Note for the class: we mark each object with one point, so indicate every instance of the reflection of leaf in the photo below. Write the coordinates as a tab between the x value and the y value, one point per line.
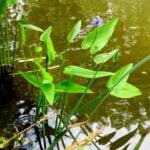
125	148
106	138
123	140
143	135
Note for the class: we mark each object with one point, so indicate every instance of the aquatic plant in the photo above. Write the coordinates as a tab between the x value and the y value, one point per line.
54	91
7	58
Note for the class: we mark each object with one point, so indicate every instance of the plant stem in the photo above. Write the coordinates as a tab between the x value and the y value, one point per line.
62	110
7	38
14	49
3	43
107	93
43	123
61	63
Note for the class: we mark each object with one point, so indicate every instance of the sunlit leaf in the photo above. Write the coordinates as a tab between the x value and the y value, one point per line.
3	142
45	74
11	2
38	49
99	37
45	37
128	91
25	24
87	73
31	78
48	90
71	87
46	34
102	58
73	33
116	80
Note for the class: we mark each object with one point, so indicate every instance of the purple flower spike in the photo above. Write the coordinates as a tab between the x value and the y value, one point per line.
97	22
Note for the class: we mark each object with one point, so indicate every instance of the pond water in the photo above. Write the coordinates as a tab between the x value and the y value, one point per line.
131	37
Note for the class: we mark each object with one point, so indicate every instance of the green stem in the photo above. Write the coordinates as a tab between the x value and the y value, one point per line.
61	63
43	115
14	49
38	104
3	43
7	39
62	111
57	118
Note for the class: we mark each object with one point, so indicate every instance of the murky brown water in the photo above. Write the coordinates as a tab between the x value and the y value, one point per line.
132	37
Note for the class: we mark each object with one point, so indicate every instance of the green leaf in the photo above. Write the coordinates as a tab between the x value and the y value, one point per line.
45	74
73	33
82	72
31	78
3	4
114	81
102	58
25	24
38	49
48	90
128	91
11	2
116	58
99	37
71	87
6	3
45	37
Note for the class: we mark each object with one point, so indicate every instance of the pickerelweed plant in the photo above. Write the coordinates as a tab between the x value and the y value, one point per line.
54	91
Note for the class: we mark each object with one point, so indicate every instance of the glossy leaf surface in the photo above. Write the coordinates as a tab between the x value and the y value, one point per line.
87	73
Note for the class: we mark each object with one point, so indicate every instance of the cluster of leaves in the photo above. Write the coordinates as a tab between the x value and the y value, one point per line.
94	41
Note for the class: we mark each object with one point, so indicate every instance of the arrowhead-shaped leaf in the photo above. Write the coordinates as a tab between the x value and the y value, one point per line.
45	37
102	58
31	78
45	74
128	91
86	73
48	90
117	81
73	33
71	87
99	37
